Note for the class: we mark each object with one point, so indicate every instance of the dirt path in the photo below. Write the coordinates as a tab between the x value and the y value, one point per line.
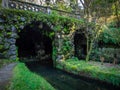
5	75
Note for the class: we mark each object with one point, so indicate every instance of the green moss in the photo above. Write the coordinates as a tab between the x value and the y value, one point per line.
1	47
20	17
23	79
8	34
74	67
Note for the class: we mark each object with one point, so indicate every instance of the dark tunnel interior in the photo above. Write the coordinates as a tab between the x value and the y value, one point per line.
31	40
80	45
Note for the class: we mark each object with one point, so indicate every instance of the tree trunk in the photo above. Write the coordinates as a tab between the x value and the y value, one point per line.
87	45
117	15
89	51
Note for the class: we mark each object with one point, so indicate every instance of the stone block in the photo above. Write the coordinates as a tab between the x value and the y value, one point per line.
10	53
21	26
12	47
2	20
14	35
22	19
1	27
13	29
11	41
13	57
6	45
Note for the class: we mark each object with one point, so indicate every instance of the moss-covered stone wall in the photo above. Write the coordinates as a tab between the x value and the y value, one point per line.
12	21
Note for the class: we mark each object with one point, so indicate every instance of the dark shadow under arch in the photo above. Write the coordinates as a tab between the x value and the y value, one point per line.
80	44
32	39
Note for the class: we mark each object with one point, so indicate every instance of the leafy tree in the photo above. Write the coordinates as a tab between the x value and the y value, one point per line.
93	11
111	34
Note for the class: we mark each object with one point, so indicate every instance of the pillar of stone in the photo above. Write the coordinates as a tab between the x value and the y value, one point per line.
11	50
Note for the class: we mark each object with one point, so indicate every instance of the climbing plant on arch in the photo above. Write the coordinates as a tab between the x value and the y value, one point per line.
12	21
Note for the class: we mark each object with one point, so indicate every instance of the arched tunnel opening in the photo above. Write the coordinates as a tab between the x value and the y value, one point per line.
80	45
33	45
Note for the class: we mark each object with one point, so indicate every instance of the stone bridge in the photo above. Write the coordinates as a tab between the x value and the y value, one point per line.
32	34
17	4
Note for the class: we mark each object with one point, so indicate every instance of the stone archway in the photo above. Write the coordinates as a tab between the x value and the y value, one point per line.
34	42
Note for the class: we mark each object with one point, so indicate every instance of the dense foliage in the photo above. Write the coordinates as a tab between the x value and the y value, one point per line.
111	33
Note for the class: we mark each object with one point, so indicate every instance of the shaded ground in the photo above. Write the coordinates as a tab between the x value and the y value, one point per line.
64	81
5	75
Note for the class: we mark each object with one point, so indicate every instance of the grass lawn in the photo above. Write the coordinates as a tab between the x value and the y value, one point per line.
106	72
23	79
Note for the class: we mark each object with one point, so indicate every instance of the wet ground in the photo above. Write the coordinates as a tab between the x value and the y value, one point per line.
64	81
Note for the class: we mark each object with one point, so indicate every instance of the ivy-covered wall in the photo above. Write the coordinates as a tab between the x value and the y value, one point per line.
12	21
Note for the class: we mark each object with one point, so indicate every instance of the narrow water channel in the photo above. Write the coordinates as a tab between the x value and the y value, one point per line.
61	80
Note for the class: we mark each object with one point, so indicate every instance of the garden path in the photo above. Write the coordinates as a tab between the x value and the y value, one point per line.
5	75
